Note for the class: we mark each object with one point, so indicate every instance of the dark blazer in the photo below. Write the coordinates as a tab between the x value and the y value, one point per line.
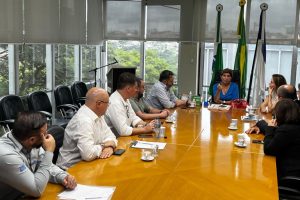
284	143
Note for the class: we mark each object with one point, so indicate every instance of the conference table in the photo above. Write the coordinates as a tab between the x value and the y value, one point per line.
200	161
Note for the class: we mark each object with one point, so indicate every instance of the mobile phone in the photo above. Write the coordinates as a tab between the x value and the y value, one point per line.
258	141
119	152
145	136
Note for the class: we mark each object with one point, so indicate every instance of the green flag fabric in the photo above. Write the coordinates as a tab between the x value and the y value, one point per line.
217	64
241	53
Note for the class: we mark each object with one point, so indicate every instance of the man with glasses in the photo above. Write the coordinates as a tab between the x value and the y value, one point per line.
120	116
161	96
26	159
286	91
87	136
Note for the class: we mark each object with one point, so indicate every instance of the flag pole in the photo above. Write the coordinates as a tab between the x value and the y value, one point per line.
263	8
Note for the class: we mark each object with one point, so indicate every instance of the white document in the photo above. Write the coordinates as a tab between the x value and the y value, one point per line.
219	107
148	145
83	192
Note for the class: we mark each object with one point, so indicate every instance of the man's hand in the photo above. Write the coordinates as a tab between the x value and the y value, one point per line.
180	102
106	152
253	129
163	114
48	142
149	127
69	182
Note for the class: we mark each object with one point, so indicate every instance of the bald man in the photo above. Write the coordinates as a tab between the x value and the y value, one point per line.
285	91
87	136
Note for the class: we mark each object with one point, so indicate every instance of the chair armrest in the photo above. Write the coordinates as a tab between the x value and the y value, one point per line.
49	115
68	106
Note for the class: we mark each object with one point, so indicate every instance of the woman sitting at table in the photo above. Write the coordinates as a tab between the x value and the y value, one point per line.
270	101
225	91
282	138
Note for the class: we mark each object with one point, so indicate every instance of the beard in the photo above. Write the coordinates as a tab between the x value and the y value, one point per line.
140	95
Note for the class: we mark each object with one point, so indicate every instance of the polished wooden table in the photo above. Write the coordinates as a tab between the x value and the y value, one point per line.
199	161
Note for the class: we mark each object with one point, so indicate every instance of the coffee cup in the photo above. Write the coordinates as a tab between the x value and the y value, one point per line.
233	123
241	139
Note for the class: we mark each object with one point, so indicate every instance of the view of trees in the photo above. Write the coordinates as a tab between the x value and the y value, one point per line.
158	56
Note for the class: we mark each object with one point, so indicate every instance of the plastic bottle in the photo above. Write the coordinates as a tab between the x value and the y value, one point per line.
190	97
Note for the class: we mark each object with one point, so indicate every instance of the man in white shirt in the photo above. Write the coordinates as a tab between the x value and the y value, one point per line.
120	116
87	136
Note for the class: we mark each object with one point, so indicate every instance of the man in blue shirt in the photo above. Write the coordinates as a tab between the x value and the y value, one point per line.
161	96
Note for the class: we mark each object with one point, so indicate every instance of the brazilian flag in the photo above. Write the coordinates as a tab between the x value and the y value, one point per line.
241	53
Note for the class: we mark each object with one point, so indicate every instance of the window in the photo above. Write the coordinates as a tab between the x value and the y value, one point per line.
160	56
32	68
163	22
64	64
4	70
127	53
88	62
279	61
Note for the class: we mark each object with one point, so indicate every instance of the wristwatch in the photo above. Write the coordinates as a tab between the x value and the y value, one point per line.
224	102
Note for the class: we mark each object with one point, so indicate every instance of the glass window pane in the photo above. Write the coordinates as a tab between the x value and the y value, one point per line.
88	58
285	64
280	19
163	21
160	56
32	68
64	64
230	14
4	70
126	52
123	19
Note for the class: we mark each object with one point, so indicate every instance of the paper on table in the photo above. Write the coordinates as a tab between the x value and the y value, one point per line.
82	192
219	107
148	145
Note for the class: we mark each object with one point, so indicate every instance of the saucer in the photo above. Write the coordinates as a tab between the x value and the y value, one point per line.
232	128
150	158
240	145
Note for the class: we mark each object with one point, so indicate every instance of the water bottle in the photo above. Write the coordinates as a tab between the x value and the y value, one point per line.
190	97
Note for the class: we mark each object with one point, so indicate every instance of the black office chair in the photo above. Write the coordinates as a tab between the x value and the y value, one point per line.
289	188
79	90
58	134
10	106
235	77
39	101
64	101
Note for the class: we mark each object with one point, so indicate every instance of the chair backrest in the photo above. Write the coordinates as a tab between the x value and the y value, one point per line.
78	89
235	77
58	134
289	187
39	101
10	106
63	95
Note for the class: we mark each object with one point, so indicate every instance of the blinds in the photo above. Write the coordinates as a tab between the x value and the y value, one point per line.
51	21
163	22
11	21
123	20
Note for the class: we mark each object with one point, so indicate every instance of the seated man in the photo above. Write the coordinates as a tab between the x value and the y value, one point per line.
160	95
142	108
286	91
87	136
120	116
26	159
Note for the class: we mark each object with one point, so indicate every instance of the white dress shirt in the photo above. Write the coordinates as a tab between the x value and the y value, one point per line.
83	136
120	116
